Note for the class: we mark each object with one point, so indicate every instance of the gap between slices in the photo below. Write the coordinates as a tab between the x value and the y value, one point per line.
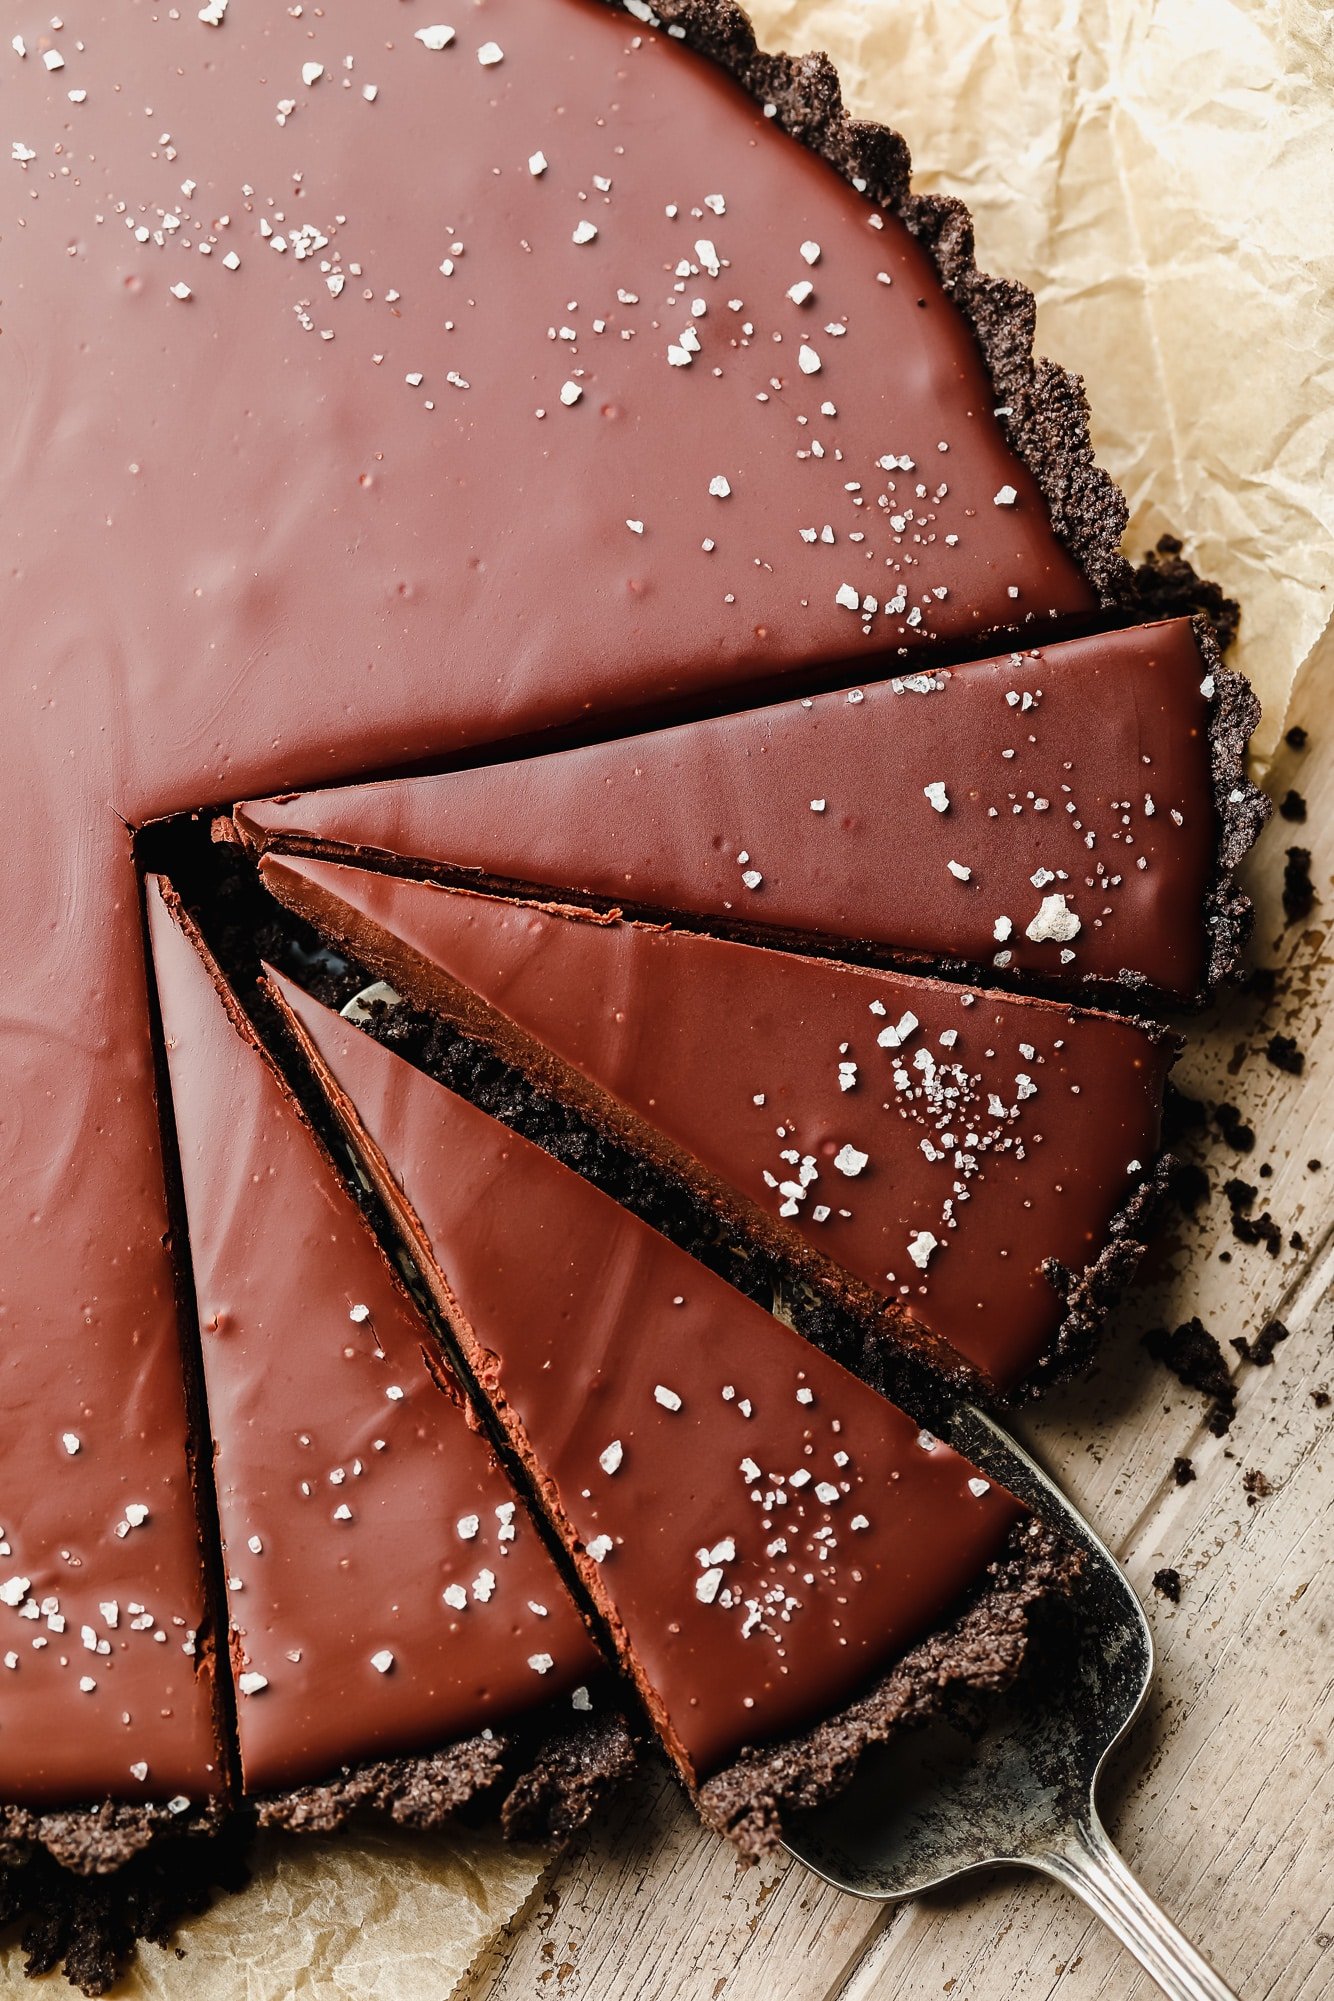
763	1534
391	1604
971	1173
962	818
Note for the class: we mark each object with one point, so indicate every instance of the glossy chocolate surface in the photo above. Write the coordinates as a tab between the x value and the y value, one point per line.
939	1143
764	1529
104	1688
387	1591
247	548
939	816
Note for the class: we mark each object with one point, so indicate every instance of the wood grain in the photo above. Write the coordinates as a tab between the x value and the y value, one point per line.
1224	1799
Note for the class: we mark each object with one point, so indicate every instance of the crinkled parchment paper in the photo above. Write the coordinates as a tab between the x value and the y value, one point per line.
1161	172
390	1917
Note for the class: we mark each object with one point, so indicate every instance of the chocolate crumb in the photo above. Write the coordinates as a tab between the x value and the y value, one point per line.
1183	1471
1284	1054
1314	1166
1248	1229
1260	1351
1296	738
1168	586
1261	981
1182	1114
1292	806
1298	889
1193	1355
1236	1133
1257	1485
1321	1399
1167	1583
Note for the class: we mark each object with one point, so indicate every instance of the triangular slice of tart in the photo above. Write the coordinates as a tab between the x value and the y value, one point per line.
971	816
970	1169
765	1537
400	1635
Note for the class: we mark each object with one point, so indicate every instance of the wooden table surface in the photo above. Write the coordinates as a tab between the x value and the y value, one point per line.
1223	1800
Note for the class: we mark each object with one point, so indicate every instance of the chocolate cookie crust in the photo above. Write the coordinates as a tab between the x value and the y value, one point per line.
91	1924
543	1787
1242	809
982	1652
1043	407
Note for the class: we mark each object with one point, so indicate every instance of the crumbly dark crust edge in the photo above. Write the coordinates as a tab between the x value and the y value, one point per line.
541	1790
1090	1294
94	1840
979	1654
1043	407
1242	809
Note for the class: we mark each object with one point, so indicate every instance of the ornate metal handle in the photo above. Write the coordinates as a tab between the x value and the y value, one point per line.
1089	1865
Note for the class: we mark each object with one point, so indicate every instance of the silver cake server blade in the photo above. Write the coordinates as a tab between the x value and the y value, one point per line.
940	1804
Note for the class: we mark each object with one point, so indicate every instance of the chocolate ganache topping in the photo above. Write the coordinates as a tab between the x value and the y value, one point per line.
941	1145
761	1531
387	1590
965	815
370	393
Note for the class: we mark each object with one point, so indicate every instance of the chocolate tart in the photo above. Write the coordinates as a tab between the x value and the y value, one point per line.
967	1171
399	1635
765	1537
277	587
315	472
965	819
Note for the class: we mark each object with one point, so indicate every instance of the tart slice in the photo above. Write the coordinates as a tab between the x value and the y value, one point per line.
971	1172
766	1538
971	816
400	1637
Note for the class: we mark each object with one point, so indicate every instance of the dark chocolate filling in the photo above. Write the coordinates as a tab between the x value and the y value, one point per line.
1043	407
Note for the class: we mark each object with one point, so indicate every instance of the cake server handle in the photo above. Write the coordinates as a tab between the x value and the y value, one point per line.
1088	1864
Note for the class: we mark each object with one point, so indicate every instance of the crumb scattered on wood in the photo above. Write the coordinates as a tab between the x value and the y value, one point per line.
1193	1355
1284	1054
1238	1135
1298	889
1183	1470
1249	1229
1167	1583
1260	1351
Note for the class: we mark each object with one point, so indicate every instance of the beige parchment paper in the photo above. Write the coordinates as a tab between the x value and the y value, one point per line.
1161	172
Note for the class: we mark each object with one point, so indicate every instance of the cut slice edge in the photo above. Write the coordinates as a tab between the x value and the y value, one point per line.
658	1039
982	832
415	1138
437	1720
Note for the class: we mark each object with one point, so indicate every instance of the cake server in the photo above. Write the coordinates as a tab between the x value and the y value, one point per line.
940	1804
